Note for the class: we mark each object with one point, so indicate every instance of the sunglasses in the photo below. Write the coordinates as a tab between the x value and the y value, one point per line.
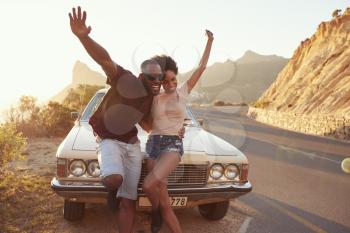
154	77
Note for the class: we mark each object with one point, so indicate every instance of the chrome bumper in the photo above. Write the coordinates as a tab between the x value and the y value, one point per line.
96	192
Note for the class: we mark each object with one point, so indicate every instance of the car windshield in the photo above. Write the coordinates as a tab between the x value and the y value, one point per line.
92	106
190	120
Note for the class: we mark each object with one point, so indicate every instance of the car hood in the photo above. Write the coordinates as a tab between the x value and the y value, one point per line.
196	140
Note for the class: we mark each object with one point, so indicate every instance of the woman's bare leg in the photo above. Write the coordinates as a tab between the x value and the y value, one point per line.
161	170
155	186
166	210
165	165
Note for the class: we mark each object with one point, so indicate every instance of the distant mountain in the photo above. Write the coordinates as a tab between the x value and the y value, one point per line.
250	57
241	81
81	74
316	79
238	81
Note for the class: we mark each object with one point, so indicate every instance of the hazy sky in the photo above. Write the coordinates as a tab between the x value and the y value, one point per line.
38	50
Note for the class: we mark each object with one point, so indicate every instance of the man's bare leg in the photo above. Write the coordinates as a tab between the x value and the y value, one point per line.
112	183
148	182
126	216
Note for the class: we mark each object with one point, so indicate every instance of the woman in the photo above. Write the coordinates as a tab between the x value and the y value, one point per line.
164	146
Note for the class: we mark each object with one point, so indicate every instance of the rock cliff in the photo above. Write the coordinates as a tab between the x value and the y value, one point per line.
316	79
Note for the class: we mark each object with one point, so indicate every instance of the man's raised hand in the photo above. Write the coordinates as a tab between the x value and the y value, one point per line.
77	23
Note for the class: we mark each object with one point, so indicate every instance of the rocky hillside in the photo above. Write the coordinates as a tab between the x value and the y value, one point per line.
81	74
238	81
317	77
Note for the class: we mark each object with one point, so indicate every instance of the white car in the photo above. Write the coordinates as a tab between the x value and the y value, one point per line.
211	172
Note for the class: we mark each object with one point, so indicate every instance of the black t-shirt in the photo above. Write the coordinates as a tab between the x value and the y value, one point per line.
125	104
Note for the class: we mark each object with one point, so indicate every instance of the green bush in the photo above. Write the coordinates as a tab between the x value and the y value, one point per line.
260	104
26	116
219	103
12	143
52	119
56	119
77	98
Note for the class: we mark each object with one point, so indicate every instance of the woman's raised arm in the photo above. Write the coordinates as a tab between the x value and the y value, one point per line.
191	82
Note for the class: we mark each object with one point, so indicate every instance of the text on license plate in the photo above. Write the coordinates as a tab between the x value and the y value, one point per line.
174	201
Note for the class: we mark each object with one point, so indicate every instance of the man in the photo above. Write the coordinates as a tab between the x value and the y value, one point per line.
126	103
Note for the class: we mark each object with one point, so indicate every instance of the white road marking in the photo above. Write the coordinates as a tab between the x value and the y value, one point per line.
222	129
245	225
309	154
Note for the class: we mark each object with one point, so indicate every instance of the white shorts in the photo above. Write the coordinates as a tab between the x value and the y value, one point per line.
120	158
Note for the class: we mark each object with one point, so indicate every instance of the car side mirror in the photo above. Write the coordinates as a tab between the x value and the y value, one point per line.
187	124
75	115
200	121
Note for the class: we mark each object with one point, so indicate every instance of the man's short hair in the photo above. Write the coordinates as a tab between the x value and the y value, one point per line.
166	63
147	62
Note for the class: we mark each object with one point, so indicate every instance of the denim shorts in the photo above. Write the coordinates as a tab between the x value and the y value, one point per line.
158	144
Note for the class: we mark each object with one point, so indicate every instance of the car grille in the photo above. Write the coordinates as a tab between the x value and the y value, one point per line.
184	175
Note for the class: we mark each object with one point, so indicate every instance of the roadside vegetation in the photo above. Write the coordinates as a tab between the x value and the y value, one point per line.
223	103
27	204
12	143
52	119
260	104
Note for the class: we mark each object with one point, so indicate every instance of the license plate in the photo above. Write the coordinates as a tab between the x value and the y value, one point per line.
174	201
178	201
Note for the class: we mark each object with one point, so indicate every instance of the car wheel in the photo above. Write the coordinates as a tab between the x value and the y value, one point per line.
214	211
73	211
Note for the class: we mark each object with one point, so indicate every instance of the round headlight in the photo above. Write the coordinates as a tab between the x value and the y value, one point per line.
231	171
94	169
77	167
216	171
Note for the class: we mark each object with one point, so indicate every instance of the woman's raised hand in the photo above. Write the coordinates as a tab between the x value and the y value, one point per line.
209	34
77	23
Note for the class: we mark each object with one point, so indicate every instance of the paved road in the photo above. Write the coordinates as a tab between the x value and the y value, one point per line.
298	184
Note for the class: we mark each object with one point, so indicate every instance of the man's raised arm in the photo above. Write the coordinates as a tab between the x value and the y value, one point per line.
96	51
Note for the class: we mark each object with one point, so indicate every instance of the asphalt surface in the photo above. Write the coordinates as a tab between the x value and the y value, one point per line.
298	183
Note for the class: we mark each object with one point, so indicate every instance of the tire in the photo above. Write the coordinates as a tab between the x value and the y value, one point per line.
73	211
214	211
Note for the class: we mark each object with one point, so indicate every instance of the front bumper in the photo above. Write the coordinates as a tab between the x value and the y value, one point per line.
95	192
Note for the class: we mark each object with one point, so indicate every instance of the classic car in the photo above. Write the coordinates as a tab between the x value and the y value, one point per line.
211	172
